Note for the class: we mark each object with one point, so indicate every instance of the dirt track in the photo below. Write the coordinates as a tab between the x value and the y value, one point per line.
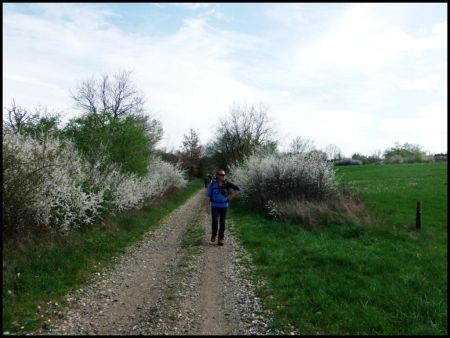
163	286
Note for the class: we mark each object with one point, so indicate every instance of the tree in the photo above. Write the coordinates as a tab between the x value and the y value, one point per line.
113	127
18	118
333	152
39	125
360	157
245	131
376	157
104	139
300	145
405	153
191	153
117	97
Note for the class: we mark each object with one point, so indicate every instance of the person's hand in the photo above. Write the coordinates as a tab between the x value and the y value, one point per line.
208	208
234	194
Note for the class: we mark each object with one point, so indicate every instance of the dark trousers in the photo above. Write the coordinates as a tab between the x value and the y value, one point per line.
218	214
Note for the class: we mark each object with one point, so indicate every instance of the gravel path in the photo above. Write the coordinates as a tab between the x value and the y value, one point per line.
164	286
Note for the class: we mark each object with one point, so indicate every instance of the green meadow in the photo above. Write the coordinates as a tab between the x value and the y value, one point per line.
384	278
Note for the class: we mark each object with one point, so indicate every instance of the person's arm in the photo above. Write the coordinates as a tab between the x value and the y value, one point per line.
208	206
233	186
208	199
236	191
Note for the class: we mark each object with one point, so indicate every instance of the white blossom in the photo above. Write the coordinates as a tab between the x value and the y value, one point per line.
48	183
281	177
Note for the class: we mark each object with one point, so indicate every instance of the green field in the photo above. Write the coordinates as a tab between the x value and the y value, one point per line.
382	279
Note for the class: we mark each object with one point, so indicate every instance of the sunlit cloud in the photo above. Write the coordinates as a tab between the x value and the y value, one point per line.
343	74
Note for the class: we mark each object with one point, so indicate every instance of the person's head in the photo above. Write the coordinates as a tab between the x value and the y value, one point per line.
220	175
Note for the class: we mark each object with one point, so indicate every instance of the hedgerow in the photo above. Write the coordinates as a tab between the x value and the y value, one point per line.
47	183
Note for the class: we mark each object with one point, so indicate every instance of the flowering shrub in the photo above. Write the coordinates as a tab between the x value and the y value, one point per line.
47	183
299	187
132	191
42	184
282	177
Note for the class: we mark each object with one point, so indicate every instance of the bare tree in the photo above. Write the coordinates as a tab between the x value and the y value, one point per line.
300	145
249	124
116	97
244	131
333	152
18	118
153	128
86	96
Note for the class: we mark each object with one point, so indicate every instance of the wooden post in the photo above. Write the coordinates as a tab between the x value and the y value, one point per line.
418	215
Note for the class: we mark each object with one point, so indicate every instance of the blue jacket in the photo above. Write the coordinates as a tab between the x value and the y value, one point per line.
218	196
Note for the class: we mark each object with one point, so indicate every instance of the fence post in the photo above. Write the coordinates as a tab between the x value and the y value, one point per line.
418	215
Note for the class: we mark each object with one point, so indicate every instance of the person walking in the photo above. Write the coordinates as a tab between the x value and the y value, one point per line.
219	195
207	180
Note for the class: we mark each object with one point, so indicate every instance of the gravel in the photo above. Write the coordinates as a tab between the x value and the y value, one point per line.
161	287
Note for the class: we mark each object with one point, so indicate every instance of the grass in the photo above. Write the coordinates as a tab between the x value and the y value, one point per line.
404	184
383	279
42	268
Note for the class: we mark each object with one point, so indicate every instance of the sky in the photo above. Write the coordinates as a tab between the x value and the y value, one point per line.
361	77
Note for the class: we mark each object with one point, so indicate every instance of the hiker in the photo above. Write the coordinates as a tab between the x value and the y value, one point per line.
219	195
207	180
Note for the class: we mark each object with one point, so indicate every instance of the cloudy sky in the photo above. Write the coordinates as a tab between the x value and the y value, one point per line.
358	76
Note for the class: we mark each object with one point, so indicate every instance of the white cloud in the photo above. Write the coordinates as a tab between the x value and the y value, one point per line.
334	86
186	78
205	10
361	40
347	129
427	128
290	15
429	82
191	5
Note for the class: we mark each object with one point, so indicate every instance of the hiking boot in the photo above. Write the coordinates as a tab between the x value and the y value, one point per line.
220	242
213	238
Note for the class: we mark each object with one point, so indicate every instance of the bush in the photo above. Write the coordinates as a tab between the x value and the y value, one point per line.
47	183
406	153
284	177
299	188
42	184
132	191
395	159
348	161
